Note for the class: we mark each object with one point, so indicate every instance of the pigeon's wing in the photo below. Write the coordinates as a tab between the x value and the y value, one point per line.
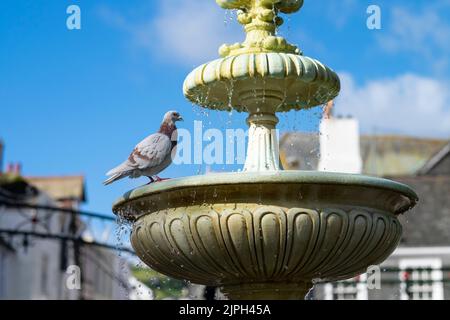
150	152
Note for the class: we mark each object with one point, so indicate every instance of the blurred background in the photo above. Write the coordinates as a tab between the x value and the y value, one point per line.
74	102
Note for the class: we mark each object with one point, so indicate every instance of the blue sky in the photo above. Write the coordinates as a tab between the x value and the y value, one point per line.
76	102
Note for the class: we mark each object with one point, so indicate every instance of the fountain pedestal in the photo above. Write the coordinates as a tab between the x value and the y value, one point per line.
267	291
264	233
263	152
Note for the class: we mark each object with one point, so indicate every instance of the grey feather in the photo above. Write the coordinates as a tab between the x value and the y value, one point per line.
114	178
150	156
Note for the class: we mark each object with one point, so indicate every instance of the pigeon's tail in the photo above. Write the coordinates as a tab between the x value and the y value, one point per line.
118	173
115	177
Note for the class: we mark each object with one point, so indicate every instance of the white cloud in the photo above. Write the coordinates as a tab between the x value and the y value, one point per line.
408	104
187	31
340	12
425	34
194	29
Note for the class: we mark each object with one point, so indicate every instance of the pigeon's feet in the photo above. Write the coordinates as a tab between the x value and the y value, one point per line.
158	179
151	181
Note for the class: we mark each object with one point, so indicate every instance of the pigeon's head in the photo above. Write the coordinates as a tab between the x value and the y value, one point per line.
172	117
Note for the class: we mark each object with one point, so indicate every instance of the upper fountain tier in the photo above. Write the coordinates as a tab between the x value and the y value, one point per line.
264	73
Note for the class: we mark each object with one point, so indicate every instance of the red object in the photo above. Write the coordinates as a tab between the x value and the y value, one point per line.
405	276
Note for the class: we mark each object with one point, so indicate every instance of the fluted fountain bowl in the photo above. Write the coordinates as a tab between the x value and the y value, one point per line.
290	81
266	235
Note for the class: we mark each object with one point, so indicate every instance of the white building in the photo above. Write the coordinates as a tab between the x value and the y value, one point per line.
339	145
37	258
28	267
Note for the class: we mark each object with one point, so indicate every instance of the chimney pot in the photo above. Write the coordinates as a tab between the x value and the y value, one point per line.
18	168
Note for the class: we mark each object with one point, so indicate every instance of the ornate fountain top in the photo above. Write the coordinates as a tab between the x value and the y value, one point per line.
260	19
263	74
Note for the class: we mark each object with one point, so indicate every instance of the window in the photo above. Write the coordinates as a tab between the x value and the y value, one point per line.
352	289
421	279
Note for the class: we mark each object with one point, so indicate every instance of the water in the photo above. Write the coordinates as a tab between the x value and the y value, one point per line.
288	27
229	17
230	95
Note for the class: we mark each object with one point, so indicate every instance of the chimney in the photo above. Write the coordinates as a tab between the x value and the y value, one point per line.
14	168
339	143
328	110
18	168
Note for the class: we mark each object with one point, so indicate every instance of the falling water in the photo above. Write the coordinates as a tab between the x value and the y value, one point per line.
229	17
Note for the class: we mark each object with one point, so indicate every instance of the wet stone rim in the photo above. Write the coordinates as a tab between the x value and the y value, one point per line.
283	177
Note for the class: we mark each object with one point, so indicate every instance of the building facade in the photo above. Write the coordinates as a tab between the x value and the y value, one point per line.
420	267
39	259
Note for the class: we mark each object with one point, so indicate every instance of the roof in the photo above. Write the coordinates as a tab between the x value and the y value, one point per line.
428	223
13	187
439	163
381	155
393	155
61	188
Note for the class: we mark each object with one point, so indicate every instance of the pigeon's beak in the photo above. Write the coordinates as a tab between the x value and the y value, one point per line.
180	118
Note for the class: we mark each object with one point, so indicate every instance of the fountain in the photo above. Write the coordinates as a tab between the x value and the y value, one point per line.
264	233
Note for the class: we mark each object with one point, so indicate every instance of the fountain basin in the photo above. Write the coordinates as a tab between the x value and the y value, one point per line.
263	235
262	82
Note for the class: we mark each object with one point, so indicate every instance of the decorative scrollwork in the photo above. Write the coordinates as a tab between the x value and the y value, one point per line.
260	19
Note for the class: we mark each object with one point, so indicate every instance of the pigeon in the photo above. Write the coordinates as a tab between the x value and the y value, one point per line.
152	155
